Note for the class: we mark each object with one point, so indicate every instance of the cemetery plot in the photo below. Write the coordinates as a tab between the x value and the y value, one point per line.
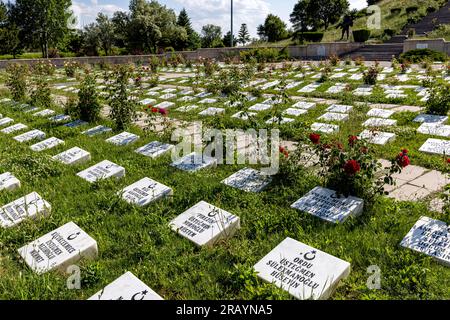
260	107
339	108
9	182
295	112
164	105
44	113
212	111
73	156
194	162
430	118
46	144
14	128
327	205
430	237
96	130
324	127
144	191
59	249
436	146
123	139
435	129
379	122
279	120
29	206
380	113
249	180
305	272
75	124
304	105
205	224
103	170
60	118
30	135
154	149
243	115
5	121
332	116
377	137
126	287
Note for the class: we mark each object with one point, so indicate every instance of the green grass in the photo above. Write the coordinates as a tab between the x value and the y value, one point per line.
139	239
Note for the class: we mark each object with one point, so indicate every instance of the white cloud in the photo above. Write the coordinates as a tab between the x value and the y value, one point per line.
86	13
202	12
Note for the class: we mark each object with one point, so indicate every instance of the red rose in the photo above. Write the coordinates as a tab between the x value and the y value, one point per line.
352	167
154	110
403	160
405	151
448	160
315	138
163	112
352	140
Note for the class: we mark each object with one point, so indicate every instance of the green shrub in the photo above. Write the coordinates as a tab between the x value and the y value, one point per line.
264	55
396	11
17	81
389	32
88	107
370	76
439	99
361	35
419	55
431	10
308	36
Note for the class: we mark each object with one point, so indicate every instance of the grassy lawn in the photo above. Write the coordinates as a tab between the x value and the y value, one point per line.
139	240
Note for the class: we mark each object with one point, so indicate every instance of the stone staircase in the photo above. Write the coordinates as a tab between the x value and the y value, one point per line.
441	16
379	52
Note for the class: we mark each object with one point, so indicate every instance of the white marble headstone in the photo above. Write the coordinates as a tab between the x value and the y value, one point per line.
14	128
46	144
377	137
260	107
332	116
73	156
305	272
154	149
205	224
9	182
430	118
249	180
194	162
431	237
380	113
127	288
123	139
324	127
96	130
59	249
436	146
435	129
29	206
379	122
5	121
212	111
339	108
144	191
103	170
30	135
325	204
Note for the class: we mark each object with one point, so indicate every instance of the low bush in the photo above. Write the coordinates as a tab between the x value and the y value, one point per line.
308	36
263	55
361	35
439	99
419	55
17	81
412	9
396	11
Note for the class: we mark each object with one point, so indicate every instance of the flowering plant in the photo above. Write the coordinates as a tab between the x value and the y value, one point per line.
351	169
71	67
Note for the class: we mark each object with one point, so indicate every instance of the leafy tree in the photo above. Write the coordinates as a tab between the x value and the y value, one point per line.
211	36
244	35
90	40
227	40
153	25
121	22
193	40
106	32
9	33
308	14
42	22
274	29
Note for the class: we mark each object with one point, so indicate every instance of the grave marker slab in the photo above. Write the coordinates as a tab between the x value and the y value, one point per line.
44	113
60	118
194	162
380	113
154	149
294	112
164	105
5	121
29	206
333	116
305	272
9	182
304	105
147	101
144	191
430	237
127	287
339	108
205	224
325	204
324	127
379	122
14	128
435	129
277	120
59	249
103	170
212	111
243	115
249	180
96	131
436	146
30	135
377	137
76	123
46	144
123	139
73	156
430	118
260	107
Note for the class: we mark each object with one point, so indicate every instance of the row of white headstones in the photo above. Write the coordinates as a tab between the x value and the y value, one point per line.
305	272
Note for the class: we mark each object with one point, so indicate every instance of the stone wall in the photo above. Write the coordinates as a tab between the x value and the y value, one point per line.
433	44
312	51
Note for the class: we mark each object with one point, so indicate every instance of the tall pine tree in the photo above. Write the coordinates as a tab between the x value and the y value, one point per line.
193	40
244	35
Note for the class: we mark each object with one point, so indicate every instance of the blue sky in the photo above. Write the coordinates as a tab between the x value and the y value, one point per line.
202	12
